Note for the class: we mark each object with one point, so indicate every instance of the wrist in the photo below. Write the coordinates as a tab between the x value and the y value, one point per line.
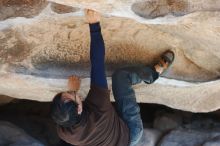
94	27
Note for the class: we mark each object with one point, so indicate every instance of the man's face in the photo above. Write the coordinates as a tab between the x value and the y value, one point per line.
72	96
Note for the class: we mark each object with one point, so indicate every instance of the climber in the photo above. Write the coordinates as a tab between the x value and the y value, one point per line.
94	122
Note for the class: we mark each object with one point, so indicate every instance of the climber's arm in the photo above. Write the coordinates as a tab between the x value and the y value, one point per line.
97	50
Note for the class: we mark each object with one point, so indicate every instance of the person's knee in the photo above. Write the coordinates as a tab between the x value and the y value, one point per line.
136	136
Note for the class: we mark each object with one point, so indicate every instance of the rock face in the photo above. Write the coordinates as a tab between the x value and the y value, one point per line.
195	129
150	137
166	122
21	8
14	136
159	8
42	43
188	137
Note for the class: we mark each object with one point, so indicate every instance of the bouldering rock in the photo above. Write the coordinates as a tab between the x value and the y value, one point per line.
14	136
40	50
150	137
188	137
5	99
158	8
21	8
213	142
166	122
136	9
203	123
61	9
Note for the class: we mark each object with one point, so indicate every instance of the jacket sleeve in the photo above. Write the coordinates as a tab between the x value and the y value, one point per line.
97	56
99	98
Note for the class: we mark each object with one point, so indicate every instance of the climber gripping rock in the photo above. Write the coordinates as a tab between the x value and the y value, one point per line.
95	122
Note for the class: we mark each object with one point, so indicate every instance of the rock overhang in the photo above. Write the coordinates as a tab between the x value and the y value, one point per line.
39	53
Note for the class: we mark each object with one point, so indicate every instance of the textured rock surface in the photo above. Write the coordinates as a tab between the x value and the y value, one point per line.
150	137
136	9
21	8
30	116
14	136
38	53
184	137
213	142
158	8
167	122
197	130
62	9
5	99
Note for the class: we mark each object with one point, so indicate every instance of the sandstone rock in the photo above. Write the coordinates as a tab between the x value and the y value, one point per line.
61	9
5	99
184	137
159	8
21	8
38	54
14	136
136	9
203	123
213	142
166	122
150	137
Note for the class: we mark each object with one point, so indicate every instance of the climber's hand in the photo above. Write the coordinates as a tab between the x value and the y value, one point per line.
92	16
74	83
